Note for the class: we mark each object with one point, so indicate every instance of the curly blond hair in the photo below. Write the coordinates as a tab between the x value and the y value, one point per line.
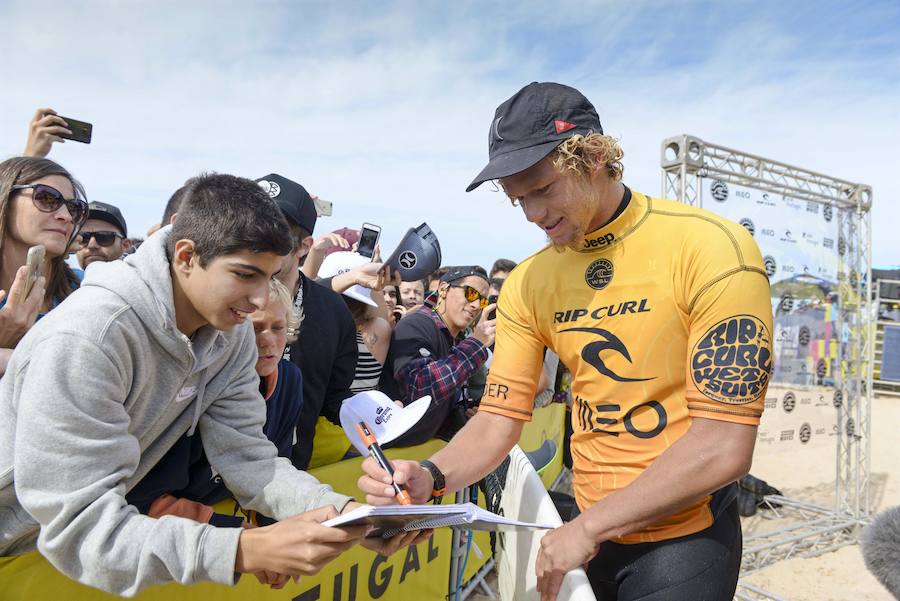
279	292
581	154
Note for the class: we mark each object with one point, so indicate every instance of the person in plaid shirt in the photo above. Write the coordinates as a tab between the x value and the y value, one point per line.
430	355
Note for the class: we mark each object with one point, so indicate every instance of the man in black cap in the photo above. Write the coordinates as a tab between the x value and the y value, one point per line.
325	349
662	313
104	236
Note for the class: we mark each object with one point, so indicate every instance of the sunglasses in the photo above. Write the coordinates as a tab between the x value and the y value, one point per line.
48	200
103	238
473	295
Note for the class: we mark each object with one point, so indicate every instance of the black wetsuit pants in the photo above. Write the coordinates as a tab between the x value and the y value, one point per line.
699	567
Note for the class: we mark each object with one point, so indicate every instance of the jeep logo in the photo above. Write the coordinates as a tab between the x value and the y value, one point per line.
604	240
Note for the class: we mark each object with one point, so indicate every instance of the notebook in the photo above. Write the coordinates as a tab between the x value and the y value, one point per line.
393	519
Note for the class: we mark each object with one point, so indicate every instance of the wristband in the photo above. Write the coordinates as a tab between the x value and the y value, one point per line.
440	486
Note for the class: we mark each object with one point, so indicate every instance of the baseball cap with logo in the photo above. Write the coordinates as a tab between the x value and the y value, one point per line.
385	419
340	262
109	214
531	124
292	198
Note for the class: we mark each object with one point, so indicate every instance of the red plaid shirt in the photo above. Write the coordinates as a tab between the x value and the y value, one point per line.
442	378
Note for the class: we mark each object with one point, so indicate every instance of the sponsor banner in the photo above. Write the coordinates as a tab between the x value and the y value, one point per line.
797	436
801	250
798	418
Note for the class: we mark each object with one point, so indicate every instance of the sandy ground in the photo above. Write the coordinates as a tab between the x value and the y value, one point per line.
840	575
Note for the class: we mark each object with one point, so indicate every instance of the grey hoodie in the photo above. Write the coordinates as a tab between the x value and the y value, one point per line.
95	394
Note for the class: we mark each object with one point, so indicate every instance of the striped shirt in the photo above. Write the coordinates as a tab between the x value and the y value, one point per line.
368	369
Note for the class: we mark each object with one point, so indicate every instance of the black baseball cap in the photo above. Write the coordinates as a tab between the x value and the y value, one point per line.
463	271
292	198
109	214
531	124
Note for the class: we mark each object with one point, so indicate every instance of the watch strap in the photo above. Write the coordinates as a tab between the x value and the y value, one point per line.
440	486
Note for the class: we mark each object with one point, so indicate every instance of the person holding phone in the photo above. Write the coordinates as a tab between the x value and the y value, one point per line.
40	204
431	355
46	127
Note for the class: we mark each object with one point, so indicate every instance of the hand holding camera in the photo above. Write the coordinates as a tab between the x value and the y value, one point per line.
486	328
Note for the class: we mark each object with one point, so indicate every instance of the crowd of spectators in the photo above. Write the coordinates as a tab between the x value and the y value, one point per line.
334	323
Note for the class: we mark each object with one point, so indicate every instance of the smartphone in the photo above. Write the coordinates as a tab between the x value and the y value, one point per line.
81	130
492	300
33	262
323	207
368	238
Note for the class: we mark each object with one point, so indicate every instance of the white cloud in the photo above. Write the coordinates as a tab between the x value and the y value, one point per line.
383	109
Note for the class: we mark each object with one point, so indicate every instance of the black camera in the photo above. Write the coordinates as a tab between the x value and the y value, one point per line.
492	300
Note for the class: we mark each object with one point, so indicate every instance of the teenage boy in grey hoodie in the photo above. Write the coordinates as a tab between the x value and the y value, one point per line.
150	348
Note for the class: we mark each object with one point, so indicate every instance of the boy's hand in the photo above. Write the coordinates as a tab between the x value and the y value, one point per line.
388	546
297	546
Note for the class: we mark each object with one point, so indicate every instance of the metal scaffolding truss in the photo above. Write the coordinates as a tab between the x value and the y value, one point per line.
812	530
748	592
685	155
804	530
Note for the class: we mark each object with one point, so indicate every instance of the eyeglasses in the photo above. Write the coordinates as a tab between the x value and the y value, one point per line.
472	295
48	200
103	238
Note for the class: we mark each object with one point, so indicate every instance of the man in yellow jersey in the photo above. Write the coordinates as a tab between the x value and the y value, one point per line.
661	312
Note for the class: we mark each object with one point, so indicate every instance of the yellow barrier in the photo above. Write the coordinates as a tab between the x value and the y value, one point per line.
420	572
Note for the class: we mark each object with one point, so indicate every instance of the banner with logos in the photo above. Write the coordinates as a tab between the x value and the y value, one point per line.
801	250
800	247
796	436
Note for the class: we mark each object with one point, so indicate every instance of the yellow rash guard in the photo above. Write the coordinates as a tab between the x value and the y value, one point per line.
662	315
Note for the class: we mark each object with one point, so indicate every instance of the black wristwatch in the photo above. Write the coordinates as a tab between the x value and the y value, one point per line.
440	485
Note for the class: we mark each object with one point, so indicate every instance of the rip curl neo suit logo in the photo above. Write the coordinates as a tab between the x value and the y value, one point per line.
591	352
599	274
732	362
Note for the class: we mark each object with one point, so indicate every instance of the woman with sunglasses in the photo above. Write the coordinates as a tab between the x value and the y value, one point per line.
430	355
40	203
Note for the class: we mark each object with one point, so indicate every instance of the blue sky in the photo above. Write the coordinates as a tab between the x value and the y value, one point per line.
383	108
